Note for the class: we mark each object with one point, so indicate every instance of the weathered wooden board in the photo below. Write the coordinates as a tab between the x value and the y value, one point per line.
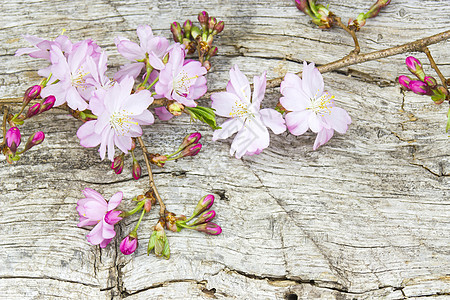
366	216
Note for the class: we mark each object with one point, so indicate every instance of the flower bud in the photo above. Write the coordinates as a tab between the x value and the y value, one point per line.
13	139
375	9
158	160
218	28
419	87
112	217
195	32
117	163
187	28
203	19
136	170
31	93
211	24
33	110
415	67
213	51
129	245
207	65
204	204
48	103
303	6
431	81
191	150
404	81
190	139
204	217
158	242
175	108
440	94
133	144
175	27
35	139
209	228
148	205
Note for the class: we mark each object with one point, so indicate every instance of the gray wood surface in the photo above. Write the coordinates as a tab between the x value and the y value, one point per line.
364	217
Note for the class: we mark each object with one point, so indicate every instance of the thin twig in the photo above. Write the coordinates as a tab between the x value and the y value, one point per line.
434	66
162	207
5	117
352	33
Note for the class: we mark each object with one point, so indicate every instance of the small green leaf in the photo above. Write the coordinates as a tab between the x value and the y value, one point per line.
448	121
204	114
166	251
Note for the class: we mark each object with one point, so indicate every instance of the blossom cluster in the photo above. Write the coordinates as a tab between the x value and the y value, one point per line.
306	103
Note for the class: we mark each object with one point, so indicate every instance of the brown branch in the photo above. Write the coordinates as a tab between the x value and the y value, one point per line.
162	207
5	117
434	66
352	33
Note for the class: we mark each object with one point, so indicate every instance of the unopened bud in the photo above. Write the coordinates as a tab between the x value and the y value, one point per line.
419	87
404	81
207	65
129	244
209	40
440	94
415	67
303	6
204	204
13	139
136	170
33	110
375	9
190	139
213	51
209	228
48	103
117	164
191	150
175	27
176	108
211	24
195	32
204	217
219	27
133	144
158	160
431	81
203	19
31	93
187	28
35	139
148	205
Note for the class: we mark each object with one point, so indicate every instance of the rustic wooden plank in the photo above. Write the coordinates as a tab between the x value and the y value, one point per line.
364	217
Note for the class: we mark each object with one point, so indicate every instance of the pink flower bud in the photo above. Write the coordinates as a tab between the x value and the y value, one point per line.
35	139
204	204
419	87
187	26
213	51
204	217
191	150
33	110
211	23
117	164
303	6
431	81
31	93
415	67
136	170
203	19
404	81
112	217
175	27
13	139
209	228
190	139
128	245
47	103
219	27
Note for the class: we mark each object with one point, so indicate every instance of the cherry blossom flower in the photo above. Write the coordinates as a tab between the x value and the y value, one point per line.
120	115
94	210
245	115
151	47
311	107
42	47
182	80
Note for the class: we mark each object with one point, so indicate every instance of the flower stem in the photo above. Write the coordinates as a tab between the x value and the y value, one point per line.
5	117
149	69
134	210
153	83
184	225
352	33
139	222
434	66
162	207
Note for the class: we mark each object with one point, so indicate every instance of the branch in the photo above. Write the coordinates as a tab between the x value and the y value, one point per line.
352	33
162	207
5	117
434	66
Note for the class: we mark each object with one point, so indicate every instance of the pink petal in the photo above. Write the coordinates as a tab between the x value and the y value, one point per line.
338	119
322	137
163	114
135	104
294	99
292	81
146	118
130	50
105	243
240	84
58	90
132	70
112	217
229	127
144	32
74	100
251	139
224	103
90	193
312	81
315	123
86	222
95	236
155	61
94	210
108	231
115	200
88	138
259	89
297	122
273	119
110	141
122	142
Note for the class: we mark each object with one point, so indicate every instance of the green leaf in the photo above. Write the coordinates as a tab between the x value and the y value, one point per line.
448	121
203	114
166	251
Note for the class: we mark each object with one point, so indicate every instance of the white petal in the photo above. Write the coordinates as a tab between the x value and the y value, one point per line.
273	119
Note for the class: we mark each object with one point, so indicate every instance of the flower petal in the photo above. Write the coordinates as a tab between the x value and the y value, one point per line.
224	103
115	200
163	114
294	99
130	50
229	127
259	89
240	84
88	138
312	81
297	122
273	119
338	119
251	139
95	236
322	137
133	70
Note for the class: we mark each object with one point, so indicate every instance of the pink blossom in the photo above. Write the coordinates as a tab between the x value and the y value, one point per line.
71	73
181	80
128	245
310	107
94	210
42	47
245	115
120	115
151	47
